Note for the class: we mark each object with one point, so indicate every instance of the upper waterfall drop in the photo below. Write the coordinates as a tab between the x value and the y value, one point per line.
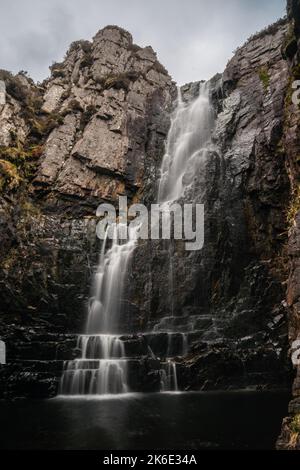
188	137
187	147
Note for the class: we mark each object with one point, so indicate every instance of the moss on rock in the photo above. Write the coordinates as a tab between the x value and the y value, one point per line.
264	77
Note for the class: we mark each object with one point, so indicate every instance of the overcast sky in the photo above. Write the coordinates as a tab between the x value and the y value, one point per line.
193	38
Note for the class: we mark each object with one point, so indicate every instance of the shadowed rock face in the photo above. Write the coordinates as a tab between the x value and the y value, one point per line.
290	435
109	103
238	277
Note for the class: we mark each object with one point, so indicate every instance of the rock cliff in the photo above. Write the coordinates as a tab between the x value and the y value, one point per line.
232	291
290	436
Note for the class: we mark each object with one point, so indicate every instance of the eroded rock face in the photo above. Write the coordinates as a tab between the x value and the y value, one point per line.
11	122
290	434
113	96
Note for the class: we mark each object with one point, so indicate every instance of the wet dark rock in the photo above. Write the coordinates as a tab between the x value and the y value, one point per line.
135	346
144	375
290	432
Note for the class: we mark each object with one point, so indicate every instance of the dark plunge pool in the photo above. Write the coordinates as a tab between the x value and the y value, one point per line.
228	420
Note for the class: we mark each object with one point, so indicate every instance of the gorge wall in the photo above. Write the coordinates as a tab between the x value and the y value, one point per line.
233	289
96	130
290	436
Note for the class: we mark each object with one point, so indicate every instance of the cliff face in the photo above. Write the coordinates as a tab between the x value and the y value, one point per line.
96	130
232	291
290	436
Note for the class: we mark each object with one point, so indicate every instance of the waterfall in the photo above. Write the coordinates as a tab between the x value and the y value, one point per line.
176	346
169	377
100	346
186	145
102	368
105	305
186	148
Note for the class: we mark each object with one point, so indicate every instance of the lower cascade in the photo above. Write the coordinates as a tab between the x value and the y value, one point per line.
169	377
101	370
105	363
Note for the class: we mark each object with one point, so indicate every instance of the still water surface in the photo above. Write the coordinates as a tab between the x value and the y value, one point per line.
228	420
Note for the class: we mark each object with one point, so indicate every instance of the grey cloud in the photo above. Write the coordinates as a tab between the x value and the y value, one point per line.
193	38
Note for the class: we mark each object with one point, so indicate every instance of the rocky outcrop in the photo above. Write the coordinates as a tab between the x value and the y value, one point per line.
112	95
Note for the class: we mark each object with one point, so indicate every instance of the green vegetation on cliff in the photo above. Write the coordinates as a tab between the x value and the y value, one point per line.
264	77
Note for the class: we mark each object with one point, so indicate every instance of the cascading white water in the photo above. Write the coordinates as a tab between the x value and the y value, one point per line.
101	346
186	145
168	377
102	368
186	148
173	345
105	305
